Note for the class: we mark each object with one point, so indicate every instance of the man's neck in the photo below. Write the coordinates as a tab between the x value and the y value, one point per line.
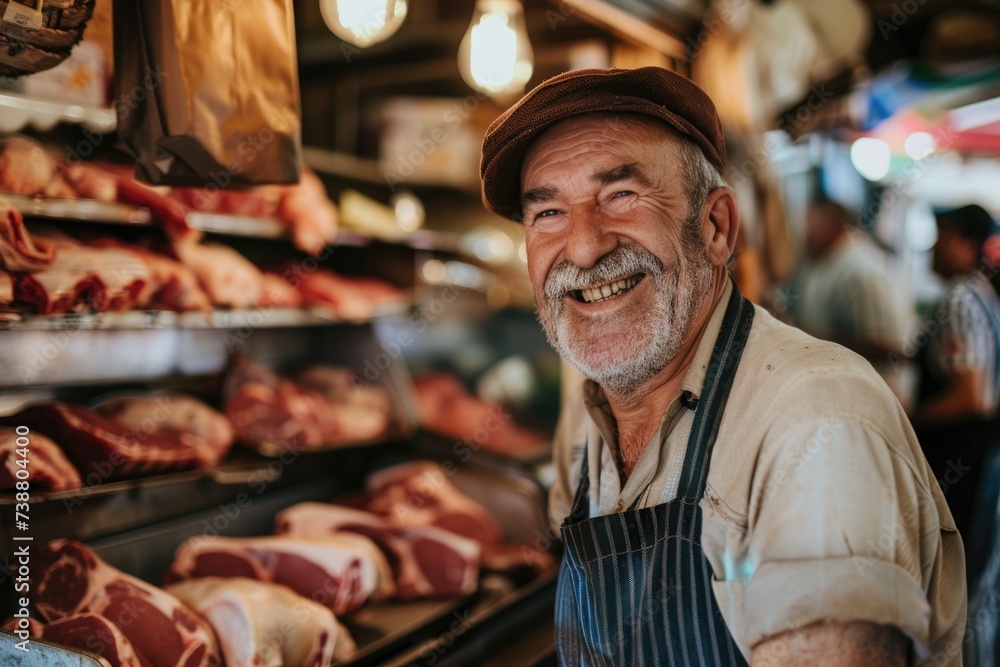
637	416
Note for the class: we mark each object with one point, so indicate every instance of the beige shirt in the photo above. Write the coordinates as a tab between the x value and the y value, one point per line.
820	505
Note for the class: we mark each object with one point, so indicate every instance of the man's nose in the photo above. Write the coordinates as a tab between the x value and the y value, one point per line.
588	240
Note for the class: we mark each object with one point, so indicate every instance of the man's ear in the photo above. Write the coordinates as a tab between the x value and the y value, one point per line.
720	225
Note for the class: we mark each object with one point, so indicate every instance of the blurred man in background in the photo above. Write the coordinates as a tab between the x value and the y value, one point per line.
955	417
845	292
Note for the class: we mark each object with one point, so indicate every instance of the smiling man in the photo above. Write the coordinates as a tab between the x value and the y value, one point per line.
730	490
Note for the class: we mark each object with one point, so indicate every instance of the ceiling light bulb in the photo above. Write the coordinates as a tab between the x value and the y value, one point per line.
495	56
363	22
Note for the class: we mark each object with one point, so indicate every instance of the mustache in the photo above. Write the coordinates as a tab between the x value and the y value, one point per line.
625	260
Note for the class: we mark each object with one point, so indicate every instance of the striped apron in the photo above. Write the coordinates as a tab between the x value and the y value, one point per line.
635	586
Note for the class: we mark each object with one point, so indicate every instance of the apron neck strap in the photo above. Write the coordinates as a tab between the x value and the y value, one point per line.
714	393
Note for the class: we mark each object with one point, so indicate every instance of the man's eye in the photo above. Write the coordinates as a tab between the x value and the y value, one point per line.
623	193
547	213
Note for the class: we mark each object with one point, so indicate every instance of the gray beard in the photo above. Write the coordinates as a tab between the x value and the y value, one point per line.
660	329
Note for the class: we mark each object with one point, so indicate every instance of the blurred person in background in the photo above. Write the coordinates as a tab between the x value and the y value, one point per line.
955	417
845	292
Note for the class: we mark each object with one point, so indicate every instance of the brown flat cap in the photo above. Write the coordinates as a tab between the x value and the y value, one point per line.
652	91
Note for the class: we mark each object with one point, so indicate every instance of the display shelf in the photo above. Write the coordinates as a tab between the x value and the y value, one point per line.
89	210
18	111
262	317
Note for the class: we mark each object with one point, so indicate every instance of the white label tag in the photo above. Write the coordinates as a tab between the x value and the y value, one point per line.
26	17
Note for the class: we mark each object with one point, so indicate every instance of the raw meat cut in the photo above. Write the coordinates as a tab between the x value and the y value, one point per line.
273	413
260	624
279	293
94	633
351	298
6	288
47	466
228	277
172	285
342	573
68	579
176	416
90	182
18	250
25	167
102	278
104	450
310	214
168	211
447	408
420	494
426	561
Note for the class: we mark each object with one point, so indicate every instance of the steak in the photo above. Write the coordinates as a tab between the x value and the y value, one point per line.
68	579
263	625
18	250
342	573
426	561
47	465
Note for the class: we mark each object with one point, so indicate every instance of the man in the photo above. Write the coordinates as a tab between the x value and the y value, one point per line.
730	489
955	418
845	293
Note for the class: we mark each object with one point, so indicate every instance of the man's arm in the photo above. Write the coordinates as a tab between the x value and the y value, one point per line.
857	644
962	398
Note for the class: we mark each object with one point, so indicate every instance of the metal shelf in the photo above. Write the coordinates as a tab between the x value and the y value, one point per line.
89	210
263	317
19	111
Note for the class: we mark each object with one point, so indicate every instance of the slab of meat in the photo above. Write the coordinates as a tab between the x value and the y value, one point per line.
6	288
18	250
447	408
228	277
25	167
91	632
107	278
309	213
176	416
68	579
420	494
351	298
104	450
172	285
170	212
47	466
90	182
262	625
342	573
279	293
426	561
273	413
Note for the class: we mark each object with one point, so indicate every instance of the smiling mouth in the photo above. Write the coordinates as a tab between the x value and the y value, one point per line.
607	291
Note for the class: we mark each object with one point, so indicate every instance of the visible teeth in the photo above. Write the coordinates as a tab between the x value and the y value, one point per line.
592	294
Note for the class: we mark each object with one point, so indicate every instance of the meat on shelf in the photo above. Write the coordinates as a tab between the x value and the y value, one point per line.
46	464
258	623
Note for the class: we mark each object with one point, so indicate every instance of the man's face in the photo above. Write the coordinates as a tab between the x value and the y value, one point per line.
617	267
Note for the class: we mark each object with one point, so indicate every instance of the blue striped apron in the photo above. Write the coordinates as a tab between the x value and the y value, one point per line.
635	586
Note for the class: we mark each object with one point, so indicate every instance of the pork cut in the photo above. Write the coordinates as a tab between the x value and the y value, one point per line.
176	416
68	579
351	298
106	450
308	212
342	573
94	633
273	413
425	561
47	465
419	493
19	251
172	286
25	167
278	292
263	625
227	276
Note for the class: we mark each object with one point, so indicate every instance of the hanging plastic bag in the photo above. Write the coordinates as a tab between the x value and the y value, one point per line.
207	91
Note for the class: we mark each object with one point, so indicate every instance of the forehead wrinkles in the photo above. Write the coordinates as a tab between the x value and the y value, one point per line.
590	140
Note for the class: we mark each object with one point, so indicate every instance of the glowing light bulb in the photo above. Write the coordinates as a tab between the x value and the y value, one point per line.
871	157
363	22
495	56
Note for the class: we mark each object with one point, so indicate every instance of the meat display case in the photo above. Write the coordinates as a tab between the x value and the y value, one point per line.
135	525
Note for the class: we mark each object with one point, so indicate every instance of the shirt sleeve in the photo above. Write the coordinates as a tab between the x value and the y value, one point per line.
841	529
960	344
869	309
